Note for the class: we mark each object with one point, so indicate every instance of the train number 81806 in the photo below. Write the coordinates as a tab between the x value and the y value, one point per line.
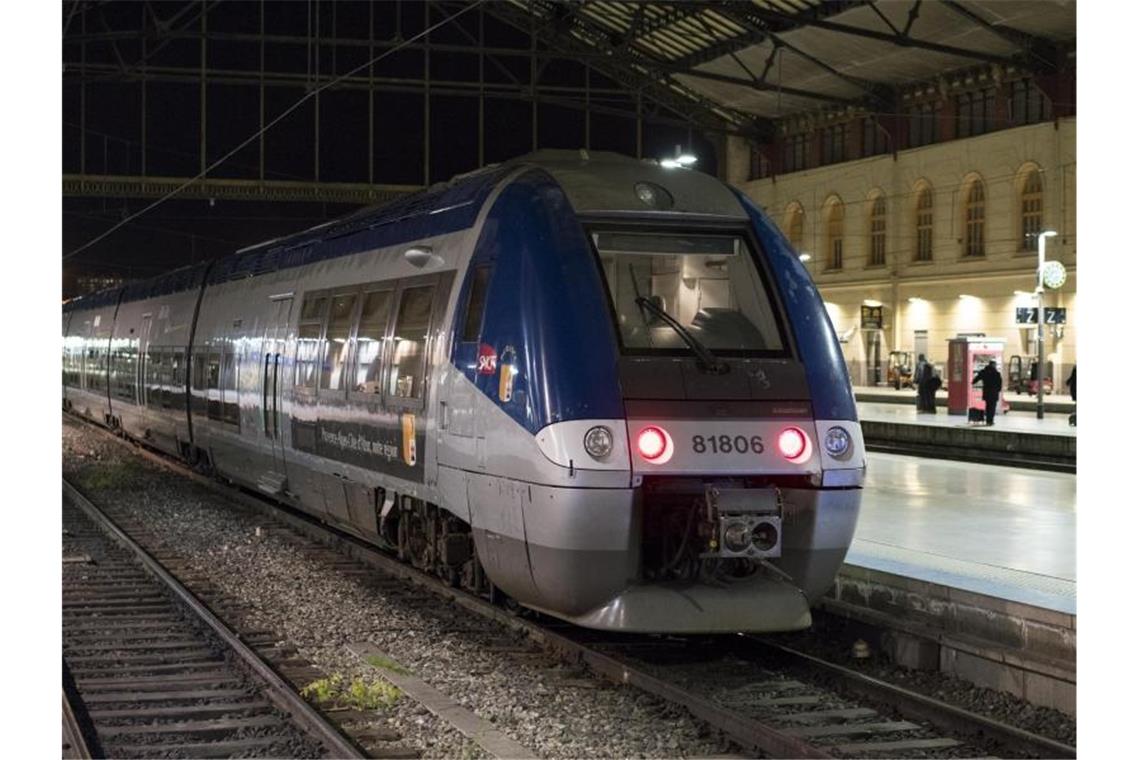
727	444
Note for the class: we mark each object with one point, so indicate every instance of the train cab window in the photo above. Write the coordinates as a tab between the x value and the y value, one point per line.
374	313
413	321
341	315
476	301
709	283
309	356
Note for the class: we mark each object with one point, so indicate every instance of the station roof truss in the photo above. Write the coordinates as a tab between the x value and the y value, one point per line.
733	66
750	63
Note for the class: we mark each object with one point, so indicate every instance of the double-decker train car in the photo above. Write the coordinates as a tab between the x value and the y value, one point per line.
598	387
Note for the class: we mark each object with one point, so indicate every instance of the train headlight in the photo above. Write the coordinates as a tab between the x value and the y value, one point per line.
654	445
737	536
794	445
599	441
837	442
765	536
653	195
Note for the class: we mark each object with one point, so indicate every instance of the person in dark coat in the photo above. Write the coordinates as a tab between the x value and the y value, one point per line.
990	379
922	372
1072	383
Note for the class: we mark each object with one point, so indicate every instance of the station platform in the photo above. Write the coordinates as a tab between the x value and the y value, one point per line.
1016	438
1056	403
1020	422
970	569
1000	531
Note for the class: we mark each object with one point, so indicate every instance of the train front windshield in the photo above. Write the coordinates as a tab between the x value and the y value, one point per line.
709	283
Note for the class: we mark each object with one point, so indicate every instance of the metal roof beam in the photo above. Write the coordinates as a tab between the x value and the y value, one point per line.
1039	48
761	31
754	84
621	68
760	15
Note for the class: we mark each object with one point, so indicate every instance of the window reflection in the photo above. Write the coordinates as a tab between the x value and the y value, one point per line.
370	340
413	320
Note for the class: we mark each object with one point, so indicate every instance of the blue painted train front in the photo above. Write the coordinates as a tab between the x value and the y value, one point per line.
603	388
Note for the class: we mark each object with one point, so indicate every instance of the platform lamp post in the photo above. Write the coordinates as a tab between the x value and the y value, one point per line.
1041	320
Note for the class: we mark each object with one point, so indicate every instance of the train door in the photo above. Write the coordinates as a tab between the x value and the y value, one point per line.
461	441
272	390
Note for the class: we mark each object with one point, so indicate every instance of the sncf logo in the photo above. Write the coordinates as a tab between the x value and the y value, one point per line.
487	360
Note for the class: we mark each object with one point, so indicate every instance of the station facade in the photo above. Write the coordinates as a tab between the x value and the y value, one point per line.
942	236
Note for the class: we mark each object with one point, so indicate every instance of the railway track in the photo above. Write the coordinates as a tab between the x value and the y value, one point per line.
155	673
768	699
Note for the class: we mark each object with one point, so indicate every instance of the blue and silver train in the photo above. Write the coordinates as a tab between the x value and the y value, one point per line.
601	388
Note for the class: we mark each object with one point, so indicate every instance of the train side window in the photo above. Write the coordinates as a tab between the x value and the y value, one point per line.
309	354
374	315
213	385
341	316
175	387
153	379
476	302
198	372
123	369
161	385
230	411
413	322
94	370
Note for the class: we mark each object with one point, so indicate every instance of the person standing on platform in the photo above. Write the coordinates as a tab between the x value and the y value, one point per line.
990	379
1072	383
921	376
932	386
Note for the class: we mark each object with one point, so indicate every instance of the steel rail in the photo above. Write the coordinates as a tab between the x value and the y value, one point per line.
278	690
913	705
74	742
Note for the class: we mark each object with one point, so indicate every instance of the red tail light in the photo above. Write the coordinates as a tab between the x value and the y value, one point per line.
654	445
793	444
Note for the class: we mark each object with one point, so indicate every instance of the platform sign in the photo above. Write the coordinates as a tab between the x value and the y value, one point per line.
871	317
1027	315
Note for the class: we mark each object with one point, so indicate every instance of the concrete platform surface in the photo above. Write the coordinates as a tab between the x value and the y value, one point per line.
1000	531
1018	422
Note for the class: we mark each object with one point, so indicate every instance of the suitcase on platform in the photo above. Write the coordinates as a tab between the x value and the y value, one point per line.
975	415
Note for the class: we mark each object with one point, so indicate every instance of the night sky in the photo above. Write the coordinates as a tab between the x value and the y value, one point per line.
183	231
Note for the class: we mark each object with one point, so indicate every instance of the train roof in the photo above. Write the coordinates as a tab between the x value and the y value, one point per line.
601	182
596	183
95	300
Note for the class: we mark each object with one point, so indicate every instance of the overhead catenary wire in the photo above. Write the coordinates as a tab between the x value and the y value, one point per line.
280	117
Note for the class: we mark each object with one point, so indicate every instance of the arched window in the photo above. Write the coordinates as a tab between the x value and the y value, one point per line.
924	224
877	256
795	227
835	235
1032	204
975	219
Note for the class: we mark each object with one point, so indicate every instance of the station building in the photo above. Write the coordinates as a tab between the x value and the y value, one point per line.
941	232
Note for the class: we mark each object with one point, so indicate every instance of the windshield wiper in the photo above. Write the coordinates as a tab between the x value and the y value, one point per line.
706	358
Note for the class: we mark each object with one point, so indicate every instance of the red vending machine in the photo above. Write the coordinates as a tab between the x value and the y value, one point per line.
968	355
